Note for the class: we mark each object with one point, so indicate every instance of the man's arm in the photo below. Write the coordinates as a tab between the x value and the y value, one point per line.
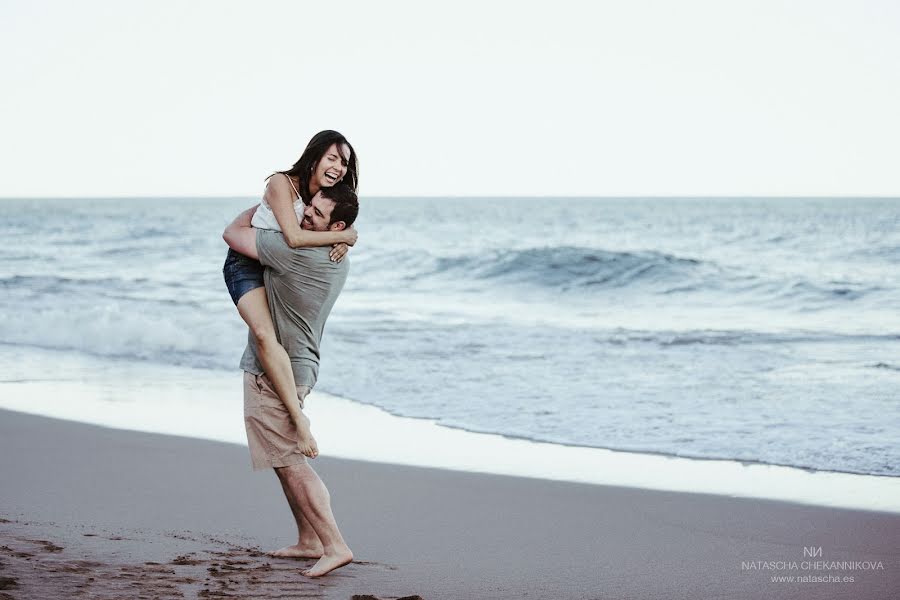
241	236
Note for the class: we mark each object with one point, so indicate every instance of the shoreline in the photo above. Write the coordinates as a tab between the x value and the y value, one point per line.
215	373
103	510
517	457
207	405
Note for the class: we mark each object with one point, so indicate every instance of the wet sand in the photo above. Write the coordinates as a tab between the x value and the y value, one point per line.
88	511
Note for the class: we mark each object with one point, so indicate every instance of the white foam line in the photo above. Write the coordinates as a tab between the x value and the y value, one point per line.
352	430
193	403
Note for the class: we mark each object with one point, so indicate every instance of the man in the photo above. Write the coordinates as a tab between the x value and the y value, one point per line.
302	285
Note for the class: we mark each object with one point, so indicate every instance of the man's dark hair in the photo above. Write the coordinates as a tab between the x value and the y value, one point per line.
346	203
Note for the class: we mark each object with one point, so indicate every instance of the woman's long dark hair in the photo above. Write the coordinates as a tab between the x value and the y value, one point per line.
309	160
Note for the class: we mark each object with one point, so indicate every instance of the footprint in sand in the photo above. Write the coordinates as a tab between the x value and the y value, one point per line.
8	583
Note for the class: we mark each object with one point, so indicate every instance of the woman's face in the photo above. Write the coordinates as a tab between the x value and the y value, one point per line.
331	168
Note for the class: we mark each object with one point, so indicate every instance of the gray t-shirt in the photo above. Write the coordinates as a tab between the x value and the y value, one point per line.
302	285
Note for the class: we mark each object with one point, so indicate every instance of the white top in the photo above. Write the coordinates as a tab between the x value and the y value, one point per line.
264	218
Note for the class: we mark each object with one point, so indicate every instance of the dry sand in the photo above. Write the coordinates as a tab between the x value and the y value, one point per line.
102	513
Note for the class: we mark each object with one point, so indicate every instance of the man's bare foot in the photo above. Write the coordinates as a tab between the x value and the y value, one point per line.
329	562
308	445
299	551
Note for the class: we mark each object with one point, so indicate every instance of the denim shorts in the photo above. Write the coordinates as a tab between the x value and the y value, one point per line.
242	274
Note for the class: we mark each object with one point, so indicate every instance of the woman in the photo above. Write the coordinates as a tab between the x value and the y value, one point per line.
327	160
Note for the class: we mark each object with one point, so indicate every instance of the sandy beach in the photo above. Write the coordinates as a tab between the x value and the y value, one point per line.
105	513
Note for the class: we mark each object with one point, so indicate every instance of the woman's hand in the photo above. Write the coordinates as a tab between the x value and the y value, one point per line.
338	251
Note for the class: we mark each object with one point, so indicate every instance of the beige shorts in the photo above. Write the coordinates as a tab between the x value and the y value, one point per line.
271	434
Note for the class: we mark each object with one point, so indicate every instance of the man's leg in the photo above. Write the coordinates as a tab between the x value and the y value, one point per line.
308	543
314	501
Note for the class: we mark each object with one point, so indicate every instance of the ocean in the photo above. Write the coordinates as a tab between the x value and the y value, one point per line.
755	330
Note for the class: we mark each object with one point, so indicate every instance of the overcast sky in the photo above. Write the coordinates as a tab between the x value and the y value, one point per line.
719	97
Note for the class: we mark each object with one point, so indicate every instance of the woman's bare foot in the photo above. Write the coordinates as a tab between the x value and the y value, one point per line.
308	445
299	551
330	561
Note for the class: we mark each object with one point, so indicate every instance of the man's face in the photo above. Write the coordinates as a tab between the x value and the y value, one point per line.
317	216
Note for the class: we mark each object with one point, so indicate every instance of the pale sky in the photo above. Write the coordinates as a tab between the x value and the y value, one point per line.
632	97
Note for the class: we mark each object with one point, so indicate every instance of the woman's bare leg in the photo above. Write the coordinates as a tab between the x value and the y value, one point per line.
254	309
